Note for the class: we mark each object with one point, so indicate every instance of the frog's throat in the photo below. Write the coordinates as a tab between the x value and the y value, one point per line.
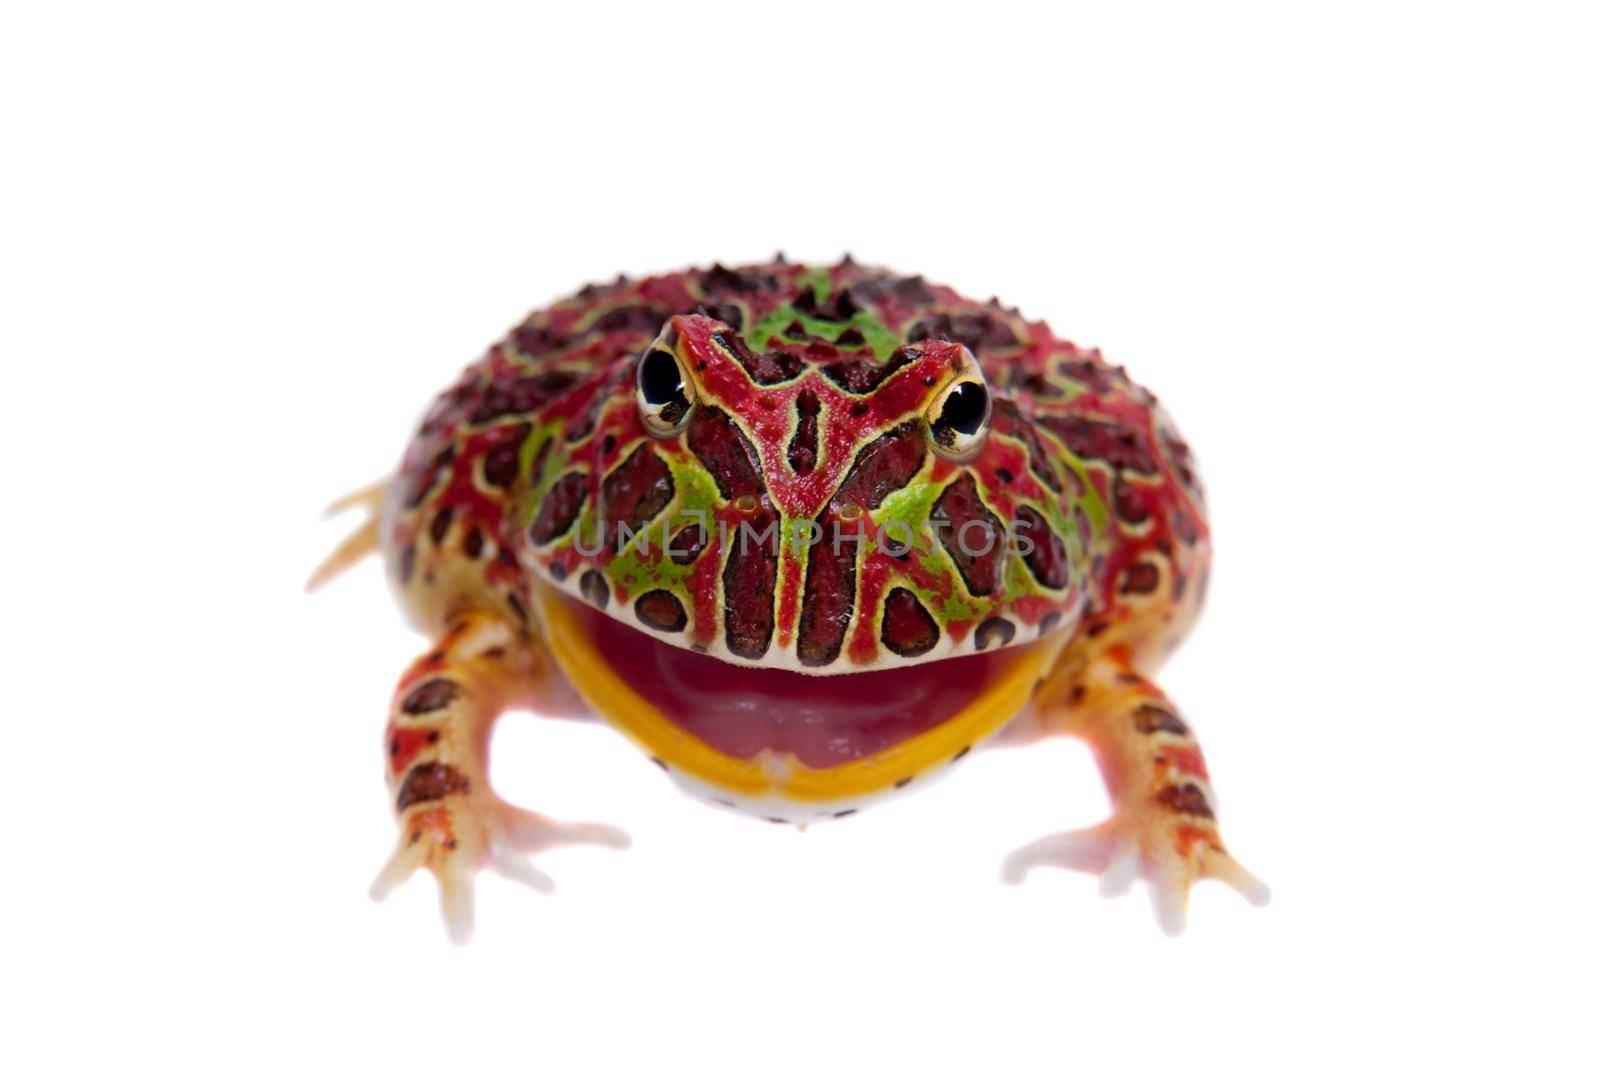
769	780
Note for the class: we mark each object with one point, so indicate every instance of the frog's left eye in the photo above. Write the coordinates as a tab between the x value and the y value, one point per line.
958	418
663	392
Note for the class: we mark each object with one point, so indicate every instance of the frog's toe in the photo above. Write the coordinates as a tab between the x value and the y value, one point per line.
1120	852
456	841
1089	850
456	905
531	832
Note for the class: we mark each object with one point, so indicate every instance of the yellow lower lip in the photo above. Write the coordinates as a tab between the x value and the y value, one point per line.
780	775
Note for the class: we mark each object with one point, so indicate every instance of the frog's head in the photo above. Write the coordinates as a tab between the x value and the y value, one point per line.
875	513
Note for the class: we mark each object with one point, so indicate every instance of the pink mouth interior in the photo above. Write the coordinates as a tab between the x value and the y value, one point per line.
823	720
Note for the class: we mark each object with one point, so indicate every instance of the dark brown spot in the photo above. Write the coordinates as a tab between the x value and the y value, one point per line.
635	493
1092	373
633	318
660	610
1152	718
1026	380
882	466
520	610
518	396
430	696
766	367
1049	622
722	280
1042	550
995	631
1120	446
1005	417
560	508
971	534
1129	501
536	340
1185	799
803	445
863	376
963	752
750	576
908	629
595	589
500	463
430	781
840	306
726	452
440	525
731	314
687	543
472	544
431	475
1140	578
976	331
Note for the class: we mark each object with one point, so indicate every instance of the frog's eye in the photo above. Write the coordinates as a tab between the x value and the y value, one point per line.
663	392
958	418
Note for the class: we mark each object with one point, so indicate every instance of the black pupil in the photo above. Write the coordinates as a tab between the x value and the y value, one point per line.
964	409
659	379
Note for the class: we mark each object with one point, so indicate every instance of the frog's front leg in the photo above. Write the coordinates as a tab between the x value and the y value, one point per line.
437	744
1163	825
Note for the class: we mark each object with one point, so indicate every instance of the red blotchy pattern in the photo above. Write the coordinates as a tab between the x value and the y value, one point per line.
1047	555
971	535
635	492
404	743
560	508
801	409
883	466
750	576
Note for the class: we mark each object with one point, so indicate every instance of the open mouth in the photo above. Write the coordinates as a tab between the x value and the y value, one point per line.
760	720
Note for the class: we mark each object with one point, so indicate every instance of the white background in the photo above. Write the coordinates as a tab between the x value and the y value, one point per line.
1353	249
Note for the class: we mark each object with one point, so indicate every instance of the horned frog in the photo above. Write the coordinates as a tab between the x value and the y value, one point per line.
806	536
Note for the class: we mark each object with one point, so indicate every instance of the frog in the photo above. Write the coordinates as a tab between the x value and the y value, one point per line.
808	536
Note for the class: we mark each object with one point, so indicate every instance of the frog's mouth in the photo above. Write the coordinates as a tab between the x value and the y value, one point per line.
753	730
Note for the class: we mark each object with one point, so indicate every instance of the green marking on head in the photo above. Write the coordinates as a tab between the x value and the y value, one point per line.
542	432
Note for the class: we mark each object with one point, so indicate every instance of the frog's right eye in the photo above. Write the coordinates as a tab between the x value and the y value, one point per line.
663	392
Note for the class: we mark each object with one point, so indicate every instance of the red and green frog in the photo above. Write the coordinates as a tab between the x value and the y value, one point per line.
808	537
